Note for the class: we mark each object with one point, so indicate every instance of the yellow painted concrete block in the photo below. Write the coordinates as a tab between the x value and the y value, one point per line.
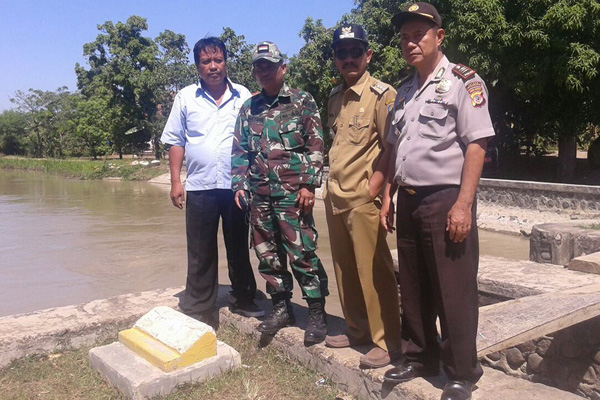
165	357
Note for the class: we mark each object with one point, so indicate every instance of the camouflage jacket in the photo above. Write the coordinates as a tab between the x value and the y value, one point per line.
277	146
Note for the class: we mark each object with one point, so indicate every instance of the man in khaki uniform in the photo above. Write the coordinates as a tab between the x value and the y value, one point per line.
439	131
359	118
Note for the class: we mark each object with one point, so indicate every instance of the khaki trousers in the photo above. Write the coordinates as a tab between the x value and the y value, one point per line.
365	277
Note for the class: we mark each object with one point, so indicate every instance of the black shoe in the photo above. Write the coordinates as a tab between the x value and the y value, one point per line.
281	316
246	309
406	372
316	329
457	390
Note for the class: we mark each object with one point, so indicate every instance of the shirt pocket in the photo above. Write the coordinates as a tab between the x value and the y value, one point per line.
291	134
398	121
358	130
255	129
432	118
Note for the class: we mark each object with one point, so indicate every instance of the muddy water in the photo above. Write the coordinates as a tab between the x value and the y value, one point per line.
68	241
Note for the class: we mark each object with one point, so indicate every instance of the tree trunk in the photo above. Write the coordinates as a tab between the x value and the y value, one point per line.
567	157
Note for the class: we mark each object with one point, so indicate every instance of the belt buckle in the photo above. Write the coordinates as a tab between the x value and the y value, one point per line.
410	191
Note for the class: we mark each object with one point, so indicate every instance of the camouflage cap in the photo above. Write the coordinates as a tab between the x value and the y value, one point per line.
349	31
267	51
420	10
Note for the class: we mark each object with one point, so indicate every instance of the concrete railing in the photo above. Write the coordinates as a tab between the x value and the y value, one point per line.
541	196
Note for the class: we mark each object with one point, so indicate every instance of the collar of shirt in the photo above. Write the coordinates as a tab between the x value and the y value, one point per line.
440	71
284	93
359	86
230	92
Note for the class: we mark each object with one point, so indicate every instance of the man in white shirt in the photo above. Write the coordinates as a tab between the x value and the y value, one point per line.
200	128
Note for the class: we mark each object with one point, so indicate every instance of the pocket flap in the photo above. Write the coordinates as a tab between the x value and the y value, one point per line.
435	111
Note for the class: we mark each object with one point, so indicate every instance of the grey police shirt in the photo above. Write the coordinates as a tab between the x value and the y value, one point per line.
432	126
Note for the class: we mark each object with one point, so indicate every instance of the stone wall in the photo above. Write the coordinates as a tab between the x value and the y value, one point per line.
541	196
568	359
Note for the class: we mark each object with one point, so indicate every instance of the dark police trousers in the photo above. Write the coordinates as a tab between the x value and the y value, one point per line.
437	278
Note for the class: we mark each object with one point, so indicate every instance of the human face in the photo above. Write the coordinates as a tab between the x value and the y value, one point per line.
420	42
269	75
211	67
351	68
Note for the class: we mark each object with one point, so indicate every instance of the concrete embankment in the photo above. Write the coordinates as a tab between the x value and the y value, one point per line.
82	325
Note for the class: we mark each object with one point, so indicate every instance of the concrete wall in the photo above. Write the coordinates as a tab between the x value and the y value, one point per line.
568	359
541	196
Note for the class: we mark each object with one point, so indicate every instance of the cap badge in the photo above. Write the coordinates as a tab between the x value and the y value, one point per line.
443	86
414	7
346	32
263	48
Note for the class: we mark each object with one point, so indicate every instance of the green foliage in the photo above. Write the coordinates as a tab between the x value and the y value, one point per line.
239	59
12	132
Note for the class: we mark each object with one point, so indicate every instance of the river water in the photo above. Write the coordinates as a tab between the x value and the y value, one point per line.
66	241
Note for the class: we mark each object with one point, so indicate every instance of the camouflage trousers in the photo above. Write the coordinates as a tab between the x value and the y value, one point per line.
279	231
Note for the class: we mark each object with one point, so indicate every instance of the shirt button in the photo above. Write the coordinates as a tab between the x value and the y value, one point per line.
408	138
432	114
404	158
412	119
404	179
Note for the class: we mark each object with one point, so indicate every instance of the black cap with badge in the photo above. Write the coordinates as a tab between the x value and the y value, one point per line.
349	31
420	10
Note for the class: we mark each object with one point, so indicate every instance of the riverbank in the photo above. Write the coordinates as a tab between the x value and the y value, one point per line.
125	169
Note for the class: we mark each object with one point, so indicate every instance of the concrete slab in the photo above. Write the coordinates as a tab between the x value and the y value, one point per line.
513	279
137	379
513	322
589	263
341	366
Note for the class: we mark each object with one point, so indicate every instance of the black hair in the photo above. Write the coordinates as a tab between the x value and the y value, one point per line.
212	43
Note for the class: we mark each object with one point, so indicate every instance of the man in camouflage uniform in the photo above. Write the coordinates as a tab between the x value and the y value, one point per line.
277	157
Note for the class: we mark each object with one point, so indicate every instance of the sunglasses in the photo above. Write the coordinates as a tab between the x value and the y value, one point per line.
354	52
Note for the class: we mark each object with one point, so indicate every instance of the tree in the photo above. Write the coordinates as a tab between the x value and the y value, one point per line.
46	127
541	61
12	132
239	59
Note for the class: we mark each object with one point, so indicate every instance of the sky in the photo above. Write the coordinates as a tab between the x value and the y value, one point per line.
41	40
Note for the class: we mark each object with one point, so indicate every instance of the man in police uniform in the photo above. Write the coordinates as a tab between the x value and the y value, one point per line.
440	129
359	112
277	158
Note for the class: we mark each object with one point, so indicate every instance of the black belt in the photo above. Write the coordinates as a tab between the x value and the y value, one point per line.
425	190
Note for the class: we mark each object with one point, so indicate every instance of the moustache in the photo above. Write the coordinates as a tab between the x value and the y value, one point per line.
350	64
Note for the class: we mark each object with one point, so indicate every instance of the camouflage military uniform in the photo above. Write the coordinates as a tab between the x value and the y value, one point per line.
277	148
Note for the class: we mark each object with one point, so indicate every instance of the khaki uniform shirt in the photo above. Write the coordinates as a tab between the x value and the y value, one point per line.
432	126
359	120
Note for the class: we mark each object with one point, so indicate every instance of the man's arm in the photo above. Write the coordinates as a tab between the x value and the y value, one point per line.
382	121
176	154
386	214
459	220
314	154
239	158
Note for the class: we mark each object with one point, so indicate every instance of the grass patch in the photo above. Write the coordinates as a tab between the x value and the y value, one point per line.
266	374
86	169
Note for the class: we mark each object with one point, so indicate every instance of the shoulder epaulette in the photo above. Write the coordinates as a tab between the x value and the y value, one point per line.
379	87
463	72
335	90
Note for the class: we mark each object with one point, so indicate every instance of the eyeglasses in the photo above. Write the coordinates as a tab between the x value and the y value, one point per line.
354	52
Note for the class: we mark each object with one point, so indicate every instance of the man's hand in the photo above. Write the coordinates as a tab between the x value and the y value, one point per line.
238	199
177	195
458	223
386	215
306	198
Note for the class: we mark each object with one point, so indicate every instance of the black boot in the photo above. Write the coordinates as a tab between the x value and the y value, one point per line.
281	316
316	329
